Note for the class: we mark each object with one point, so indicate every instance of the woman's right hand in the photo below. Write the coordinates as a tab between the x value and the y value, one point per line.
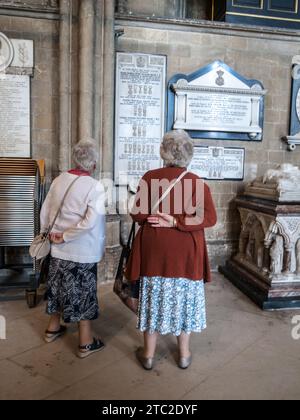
162	220
57	238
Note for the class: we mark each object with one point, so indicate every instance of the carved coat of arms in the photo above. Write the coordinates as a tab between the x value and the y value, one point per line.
220	79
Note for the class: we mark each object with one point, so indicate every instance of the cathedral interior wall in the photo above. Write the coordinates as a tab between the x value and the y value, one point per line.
255	55
44	84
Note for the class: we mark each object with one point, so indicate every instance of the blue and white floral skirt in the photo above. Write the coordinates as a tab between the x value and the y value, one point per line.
171	306
72	291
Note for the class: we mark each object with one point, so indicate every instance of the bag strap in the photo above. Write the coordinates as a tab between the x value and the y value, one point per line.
131	235
61	205
167	192
126	252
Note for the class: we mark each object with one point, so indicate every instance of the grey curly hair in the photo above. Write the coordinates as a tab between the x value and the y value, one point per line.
177	149
85	154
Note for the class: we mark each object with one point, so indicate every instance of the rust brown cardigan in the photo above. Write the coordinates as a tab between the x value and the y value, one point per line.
170	252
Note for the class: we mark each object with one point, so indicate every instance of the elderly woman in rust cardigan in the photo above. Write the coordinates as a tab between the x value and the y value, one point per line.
170	255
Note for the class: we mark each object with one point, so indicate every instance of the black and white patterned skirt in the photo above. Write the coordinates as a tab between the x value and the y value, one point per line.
72	290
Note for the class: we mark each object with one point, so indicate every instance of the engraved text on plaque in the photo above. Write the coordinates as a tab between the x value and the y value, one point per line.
140	114
14	116
219	163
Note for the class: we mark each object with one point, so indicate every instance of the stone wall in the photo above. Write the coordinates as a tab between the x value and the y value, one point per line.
195	9
44	83
44	90
256	54
72	88
31	4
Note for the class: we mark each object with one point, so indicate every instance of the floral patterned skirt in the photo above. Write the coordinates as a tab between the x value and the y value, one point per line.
171	306
72	290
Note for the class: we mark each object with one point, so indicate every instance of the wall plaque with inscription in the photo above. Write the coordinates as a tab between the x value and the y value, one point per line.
218	163
140	114
14	116
216	103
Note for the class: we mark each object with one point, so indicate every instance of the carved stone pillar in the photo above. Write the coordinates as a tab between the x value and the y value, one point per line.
267	261
87	57
86	68
180	109
105	83
108	89
287	263
67	69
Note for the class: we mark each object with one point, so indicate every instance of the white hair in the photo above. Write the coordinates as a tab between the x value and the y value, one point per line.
177	149
85	154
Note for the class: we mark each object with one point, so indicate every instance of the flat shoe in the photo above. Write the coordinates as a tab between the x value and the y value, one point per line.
88	350
51	336
146	362
184	362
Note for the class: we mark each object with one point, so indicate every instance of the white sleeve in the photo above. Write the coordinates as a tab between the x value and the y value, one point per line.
45	210
94	214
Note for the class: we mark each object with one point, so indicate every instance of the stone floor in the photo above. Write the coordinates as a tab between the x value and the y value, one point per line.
244	354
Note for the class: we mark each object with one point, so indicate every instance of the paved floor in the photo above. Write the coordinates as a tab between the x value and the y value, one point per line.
244	354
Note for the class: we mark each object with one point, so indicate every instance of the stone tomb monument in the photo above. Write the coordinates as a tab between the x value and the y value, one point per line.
267	265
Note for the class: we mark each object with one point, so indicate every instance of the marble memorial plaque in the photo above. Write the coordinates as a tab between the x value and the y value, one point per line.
216	103
24	54
14	116
6	52
216	112
218	163
140	115
293	139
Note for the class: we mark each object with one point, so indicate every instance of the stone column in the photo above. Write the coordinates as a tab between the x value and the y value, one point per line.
104	124
180	109
108	89
267	260
65	84
287	261
86	68
98	79
298	257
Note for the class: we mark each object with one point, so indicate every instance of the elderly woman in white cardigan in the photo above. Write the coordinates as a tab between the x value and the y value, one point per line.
78	241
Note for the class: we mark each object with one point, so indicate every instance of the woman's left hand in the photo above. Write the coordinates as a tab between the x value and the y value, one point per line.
161	220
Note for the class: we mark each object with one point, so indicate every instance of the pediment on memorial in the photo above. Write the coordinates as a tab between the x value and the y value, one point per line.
215	75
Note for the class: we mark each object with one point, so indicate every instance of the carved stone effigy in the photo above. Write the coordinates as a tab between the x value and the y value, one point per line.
267	265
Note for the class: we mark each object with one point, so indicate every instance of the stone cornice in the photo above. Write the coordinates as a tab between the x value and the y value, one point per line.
47	9
38	5
206	26
229	91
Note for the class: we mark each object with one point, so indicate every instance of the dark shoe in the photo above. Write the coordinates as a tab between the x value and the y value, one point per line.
51	336
88	350
146	362
184	362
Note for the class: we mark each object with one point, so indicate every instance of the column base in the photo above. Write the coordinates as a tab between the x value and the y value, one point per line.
107	269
